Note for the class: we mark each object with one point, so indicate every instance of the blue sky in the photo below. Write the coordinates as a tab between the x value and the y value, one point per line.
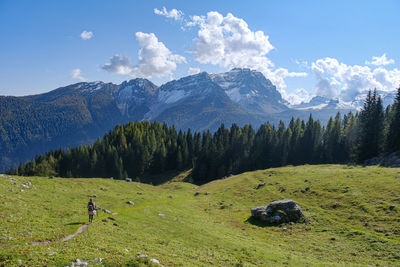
319	47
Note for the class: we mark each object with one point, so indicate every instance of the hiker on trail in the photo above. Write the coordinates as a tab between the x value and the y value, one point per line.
91	209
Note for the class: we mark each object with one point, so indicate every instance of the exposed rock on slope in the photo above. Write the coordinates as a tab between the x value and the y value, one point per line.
280	211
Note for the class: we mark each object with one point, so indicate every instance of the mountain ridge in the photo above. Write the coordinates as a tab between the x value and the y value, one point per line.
79	113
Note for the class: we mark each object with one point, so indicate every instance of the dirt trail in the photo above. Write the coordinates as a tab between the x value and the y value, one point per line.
80	230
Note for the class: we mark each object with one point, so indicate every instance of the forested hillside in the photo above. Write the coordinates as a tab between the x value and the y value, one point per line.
144	148
79	113
63	118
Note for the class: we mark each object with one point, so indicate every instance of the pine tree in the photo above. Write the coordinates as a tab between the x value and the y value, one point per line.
393	135
371	128
351	135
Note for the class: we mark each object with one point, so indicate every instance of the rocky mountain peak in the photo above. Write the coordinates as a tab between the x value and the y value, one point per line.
138	86
135	93
250	89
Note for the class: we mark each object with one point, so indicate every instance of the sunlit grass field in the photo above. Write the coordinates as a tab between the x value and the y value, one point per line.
349	213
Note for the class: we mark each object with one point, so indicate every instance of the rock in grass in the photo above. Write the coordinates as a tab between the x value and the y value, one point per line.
130	202
259	186
392	207
128	180
155	261
197	193
27	185
162	215
277	212
79	263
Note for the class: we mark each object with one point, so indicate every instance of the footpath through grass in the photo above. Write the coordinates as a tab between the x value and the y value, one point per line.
348	209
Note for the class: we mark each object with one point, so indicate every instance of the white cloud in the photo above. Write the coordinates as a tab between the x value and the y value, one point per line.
154	59
173	13
119	64
278	77
300	95
76	74
346	82
228	42
193	71
85	35
302	63
380	61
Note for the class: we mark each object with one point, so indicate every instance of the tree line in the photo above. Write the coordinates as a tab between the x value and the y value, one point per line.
143	148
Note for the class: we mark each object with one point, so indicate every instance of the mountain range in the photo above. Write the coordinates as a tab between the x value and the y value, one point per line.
79	113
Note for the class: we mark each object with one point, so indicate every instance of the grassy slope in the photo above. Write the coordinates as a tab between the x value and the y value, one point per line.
208	229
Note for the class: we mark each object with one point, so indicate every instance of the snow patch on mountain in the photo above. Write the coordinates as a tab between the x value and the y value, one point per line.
169	97
90	87
234	94
251	90
316	107
320	102
124	97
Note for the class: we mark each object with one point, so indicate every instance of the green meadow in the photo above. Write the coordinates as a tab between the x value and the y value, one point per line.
349	209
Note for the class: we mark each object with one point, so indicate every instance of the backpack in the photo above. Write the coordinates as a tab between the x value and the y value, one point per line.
90	206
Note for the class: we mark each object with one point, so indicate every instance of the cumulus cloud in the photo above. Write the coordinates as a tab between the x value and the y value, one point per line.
278	77
119	64
346	82
193	71
300	95
228	42
76	74
86	35
380	61
172	14
154	59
